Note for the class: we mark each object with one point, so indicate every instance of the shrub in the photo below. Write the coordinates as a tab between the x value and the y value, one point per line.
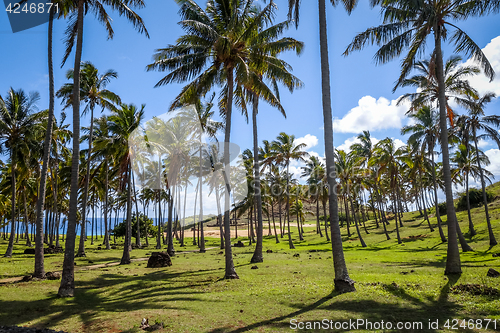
442	208
475	199
146	224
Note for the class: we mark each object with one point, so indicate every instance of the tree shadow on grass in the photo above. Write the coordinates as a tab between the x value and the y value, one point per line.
93	297
411	310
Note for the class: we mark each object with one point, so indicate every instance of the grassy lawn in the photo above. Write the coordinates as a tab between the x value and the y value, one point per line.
395	283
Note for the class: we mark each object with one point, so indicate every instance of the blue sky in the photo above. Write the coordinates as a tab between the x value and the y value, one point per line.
362	95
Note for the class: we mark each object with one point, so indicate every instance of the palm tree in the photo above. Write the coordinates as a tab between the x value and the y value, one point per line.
473	123
286	149
214	50
93	93
465	159
313	170
342	281
425	132
406	25
387	157
20	128
121	124
75	31
346	165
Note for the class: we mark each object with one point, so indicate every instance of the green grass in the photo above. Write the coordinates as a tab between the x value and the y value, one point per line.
394	283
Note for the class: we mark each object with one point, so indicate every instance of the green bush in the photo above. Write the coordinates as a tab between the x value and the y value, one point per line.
442	208
146	224
475	199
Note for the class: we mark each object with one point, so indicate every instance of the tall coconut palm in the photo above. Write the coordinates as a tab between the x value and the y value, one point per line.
406	25
121	124
424	133
313	171
342	281
466	165
215	50
286	149
75	32
477	121
94	94
20	128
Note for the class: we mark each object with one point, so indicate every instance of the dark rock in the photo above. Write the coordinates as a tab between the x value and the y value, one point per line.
159	259
113	247
239	244
221	252
29	251
269	251
91	262
296	255
52	249
255	267
313	250
496	255
99	248
53	275
492	273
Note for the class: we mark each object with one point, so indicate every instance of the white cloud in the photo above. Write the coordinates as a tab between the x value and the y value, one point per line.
494	167
483	143
309	140
481	82
371	114
352	140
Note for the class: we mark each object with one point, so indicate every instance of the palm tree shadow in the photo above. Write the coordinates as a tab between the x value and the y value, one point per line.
277	320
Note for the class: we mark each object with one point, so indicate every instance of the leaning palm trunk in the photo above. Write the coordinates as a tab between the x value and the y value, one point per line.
453	265
219	217
343	282
257	255
67	286
363	244
170	240
493	241
230	272
83	234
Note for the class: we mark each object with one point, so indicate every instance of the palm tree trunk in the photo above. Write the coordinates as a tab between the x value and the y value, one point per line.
230	272
138	220
219	217
128	234
493	241
383	219
202	232
279	212
423	202
257	254
472	232
318	225
106	205
39	258
28	242
67	286
453	265
326	220
290	243
83	235
274	223
343	282
158	222
440	228
170	240
194	214
363	244
298	218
